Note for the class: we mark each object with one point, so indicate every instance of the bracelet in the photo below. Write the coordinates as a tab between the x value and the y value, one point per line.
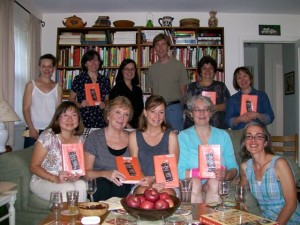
194	172
52	178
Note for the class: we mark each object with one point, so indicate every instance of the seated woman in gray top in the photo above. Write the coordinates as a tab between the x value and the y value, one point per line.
103	145
152	138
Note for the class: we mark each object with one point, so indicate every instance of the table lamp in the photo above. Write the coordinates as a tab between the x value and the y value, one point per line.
7	114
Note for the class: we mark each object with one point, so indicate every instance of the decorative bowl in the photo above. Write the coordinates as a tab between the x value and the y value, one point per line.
151	214
123	23
92	208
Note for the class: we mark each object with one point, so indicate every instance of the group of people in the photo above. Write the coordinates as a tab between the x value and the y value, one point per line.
155	124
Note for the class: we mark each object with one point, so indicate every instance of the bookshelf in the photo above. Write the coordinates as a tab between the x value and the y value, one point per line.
115	44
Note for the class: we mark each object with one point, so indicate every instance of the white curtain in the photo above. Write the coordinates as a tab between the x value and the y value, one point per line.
7	70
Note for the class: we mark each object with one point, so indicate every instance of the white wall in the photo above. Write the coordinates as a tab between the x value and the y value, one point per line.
237	28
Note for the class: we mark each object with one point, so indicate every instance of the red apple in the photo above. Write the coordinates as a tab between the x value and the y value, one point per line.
164	195
170	202
147	205
133	201
151	194
161	204
141	197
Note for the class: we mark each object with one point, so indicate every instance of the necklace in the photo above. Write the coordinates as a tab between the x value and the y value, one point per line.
152	134
261	167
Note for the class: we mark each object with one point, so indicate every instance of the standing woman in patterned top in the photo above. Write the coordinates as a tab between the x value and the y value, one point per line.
207	68
92	115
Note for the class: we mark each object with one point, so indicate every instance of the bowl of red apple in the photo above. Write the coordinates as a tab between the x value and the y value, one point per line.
151	205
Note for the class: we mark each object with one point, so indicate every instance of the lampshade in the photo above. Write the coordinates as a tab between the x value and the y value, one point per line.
7	114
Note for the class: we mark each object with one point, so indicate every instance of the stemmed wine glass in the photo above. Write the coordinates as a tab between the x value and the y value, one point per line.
223	189
56	205
91	188
240	195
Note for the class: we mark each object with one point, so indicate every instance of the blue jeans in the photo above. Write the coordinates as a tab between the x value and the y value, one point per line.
29	141
174	116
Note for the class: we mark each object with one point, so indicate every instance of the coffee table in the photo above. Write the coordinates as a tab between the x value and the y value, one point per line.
197	210
9	197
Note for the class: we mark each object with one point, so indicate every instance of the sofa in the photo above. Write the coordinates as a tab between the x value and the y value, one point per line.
14	167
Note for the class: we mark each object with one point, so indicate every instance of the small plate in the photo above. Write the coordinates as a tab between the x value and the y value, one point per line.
213	204
68	213
230	204
183	212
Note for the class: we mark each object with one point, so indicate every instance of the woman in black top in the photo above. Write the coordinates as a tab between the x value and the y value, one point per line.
127	81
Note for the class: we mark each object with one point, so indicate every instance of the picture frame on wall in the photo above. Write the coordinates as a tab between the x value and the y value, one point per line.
289	83
269	30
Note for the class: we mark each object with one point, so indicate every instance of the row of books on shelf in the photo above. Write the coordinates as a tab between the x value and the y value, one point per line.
66	77
97	38
112	56
189	56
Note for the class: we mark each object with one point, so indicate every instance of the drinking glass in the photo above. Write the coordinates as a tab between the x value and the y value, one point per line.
223	189
91	188
56	205
240	195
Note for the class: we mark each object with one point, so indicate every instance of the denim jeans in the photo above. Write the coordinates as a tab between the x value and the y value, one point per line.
174	116
29	141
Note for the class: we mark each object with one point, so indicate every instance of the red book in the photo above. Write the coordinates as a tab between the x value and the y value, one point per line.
165	168
92	93
73	159
130	167
248	103
209	160
232	217
210	94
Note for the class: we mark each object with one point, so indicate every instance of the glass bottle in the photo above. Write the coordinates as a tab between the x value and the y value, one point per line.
213	20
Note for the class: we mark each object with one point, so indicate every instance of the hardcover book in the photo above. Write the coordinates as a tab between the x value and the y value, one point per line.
209	160
130	167
92	94
248	104
73	159
165	168
210	94
233	217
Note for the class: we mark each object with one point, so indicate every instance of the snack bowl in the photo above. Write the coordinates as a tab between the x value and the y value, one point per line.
151	214
92	208
123	23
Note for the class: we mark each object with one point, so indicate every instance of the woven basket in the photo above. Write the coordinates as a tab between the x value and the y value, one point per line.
189	22
85	211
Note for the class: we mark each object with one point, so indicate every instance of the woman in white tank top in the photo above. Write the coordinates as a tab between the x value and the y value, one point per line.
41	97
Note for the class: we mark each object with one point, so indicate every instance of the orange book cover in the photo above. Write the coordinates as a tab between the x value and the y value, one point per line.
92	93
130	167
209	160
212	95
73	159
165	168
248	104
233	217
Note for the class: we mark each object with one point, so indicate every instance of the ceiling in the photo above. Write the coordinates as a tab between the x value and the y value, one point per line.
221	6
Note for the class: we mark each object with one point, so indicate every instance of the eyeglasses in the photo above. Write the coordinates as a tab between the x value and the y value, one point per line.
129	69
196	109
257	137
65	116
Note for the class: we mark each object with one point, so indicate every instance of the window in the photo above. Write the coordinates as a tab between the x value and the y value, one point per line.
21	27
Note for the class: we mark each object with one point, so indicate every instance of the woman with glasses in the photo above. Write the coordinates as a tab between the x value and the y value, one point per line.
207	69
66	127
269	176
127	82
243	83
201	110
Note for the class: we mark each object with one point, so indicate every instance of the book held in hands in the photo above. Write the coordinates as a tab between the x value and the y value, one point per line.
165	168
130	167
233	217
73	159
92	94
248	104
210	94
209	160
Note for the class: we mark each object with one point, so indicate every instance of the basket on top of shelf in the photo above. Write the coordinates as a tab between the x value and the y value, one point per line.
189	22
123	23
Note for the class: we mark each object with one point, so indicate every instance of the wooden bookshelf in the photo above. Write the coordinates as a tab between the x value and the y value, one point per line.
115	44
